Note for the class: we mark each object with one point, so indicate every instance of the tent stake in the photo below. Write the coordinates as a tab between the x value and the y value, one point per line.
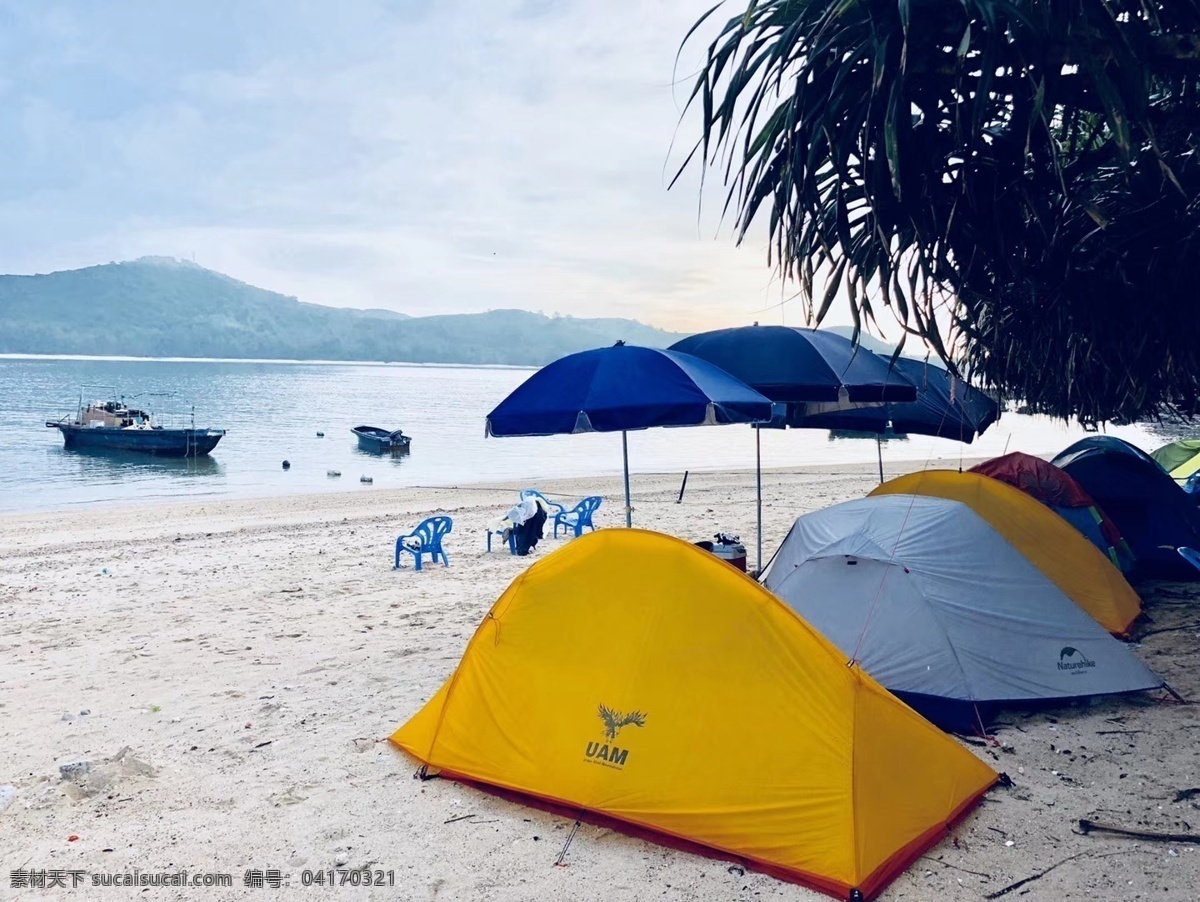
625	455
559	863
758	479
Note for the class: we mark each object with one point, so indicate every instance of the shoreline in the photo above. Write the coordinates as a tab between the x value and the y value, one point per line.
891	469
17	355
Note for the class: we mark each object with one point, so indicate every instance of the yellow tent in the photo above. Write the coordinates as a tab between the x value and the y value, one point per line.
638	677
1049	542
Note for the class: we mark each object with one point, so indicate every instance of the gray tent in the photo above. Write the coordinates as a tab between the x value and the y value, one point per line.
940	609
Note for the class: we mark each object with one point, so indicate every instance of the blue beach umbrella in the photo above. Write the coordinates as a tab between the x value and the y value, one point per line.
806	370
624	388
946	407
809	370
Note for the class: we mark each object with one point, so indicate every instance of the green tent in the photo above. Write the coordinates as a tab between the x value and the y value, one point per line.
1181	459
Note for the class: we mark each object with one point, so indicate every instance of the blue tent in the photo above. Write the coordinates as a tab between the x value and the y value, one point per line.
621	389
1152	512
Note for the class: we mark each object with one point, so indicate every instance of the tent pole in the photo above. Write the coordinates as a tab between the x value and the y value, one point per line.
879	448
758	479
625	455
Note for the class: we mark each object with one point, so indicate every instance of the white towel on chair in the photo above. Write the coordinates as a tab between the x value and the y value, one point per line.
524	509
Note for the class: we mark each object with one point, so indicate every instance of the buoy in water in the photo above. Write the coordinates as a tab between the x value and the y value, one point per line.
365	479
287	464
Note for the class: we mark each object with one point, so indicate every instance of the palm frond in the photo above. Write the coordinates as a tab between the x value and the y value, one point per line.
1016	180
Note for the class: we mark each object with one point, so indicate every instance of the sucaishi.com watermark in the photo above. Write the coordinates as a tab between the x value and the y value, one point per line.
36	878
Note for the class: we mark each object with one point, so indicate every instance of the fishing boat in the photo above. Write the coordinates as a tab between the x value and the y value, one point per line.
378	441
115	426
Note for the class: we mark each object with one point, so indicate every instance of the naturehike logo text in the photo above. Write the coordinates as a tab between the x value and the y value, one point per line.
611	755
1073	659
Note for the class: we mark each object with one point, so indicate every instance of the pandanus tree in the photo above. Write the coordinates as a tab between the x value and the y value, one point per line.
1017	181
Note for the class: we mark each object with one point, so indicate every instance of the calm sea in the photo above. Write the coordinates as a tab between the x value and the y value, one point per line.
274	410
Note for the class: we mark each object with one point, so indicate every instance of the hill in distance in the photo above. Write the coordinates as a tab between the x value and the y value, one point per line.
162	307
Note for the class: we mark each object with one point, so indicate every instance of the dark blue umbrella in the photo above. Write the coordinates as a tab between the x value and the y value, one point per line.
624	388
807	370
946	407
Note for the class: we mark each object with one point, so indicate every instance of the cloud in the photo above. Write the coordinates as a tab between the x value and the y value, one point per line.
457	156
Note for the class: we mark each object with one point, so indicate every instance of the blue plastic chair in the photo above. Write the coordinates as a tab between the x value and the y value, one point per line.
578	517
553	508
512	541
430	533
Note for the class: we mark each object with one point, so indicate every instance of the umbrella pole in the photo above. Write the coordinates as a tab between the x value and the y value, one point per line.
625	455
758	479
879	448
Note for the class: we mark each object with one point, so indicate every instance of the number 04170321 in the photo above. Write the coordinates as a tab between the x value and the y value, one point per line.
346	877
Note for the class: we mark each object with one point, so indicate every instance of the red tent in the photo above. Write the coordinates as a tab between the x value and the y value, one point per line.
1056	489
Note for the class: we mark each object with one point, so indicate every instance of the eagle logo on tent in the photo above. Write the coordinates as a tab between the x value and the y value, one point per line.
615	720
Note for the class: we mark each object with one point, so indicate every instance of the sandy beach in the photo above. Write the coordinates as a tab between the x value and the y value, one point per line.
219	679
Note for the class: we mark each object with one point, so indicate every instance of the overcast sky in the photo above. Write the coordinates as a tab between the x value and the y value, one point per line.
422	156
